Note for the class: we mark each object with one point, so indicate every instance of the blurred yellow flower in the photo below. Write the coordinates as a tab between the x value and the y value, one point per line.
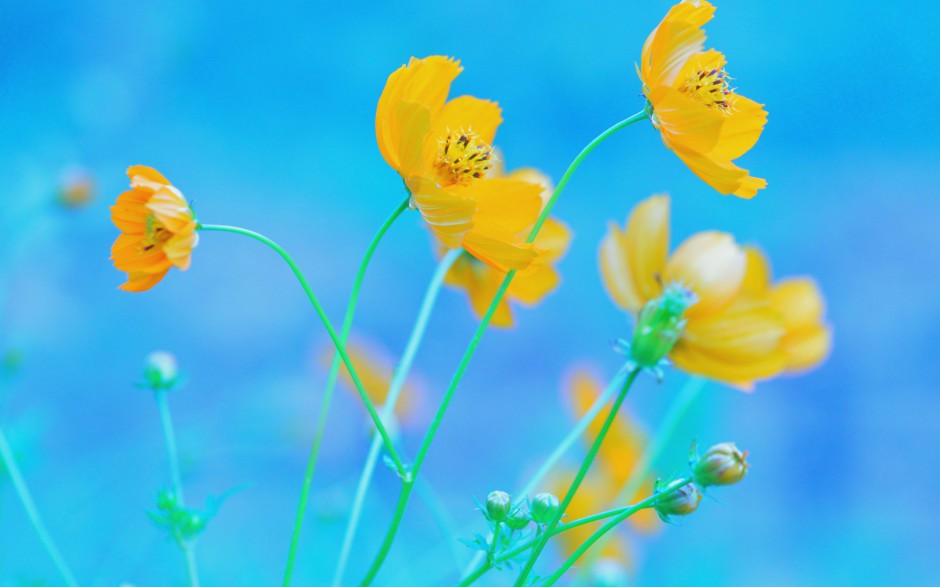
616	461
700	116
807	340
529	287
375	367
77	188
158	229
728	336
443	150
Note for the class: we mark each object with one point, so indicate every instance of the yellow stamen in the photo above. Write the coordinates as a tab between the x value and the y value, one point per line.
710	87
462	157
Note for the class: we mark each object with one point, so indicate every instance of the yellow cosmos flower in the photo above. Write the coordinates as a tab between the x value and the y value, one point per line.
807	340
375	368
529	287
158	229
728	336
443	150
700	116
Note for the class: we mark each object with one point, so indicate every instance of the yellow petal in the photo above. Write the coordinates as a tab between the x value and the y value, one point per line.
504	205
799	302
807	347
721	174
532	286
686	123
481	282
632	260
138	282
423	81
147	177
678	37
553	240
741	129
129	213
758	273
179	248
502	251
414	122
130	255
531	175
712	265
448	214
469	113
171	209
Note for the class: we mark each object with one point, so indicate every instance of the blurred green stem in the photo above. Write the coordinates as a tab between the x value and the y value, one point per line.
474	342
32	513
388	409
187	546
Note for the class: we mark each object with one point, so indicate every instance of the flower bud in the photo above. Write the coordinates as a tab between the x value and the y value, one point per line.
545	508
160	371
723	464
681	502
518	518
498	504
659	326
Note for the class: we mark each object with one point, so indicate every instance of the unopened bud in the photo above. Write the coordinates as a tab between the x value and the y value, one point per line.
681	502
545	508
518	518
722	464
498	504
659	326
160	371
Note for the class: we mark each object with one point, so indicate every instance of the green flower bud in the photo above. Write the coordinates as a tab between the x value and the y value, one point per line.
682	502
518	518
160	371
659	326
498	504
723	464
545	508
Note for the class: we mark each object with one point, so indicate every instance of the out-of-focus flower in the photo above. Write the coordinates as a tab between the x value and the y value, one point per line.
722	464
375	367
700	116
443	150
158	229
807	340
481	281
161	371
77	188
729	335
592	497
681	502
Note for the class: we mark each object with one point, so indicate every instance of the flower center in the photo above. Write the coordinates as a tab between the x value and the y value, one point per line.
710	87
462	157
155	234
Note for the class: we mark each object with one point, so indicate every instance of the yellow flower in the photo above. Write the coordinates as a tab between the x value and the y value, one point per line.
729	335
77	188
158	229
808	339
375	368
529	287
443	150
700	116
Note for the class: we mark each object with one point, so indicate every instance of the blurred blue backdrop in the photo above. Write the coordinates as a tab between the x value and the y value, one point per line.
262	113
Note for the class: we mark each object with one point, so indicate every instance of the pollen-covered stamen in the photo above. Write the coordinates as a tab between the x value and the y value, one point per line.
710	87
155	234
462	157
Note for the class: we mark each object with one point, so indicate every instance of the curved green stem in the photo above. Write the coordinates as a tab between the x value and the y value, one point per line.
475	341
337	342
6	453
388	409
677	411
562	448
176	479
582	472
327	399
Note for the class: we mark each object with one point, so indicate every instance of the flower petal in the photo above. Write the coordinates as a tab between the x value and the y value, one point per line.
684	122
758	273
723	175
673	41
171	209
138	282
712	265
448	214
146	177
505	205
501	251
179	248
481	282
129	213
469	113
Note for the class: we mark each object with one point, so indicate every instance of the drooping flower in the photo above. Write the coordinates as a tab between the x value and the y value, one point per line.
529	287
807	339
443	150
700	116
375	368
158	229
727	335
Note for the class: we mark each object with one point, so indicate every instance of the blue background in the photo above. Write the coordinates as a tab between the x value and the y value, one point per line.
263	115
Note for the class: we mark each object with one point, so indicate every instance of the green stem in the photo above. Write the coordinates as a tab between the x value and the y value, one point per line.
677	411
475	341
582	472
491	553
563	447
621	513
327	399
337	342
600	532
388	409
32	513
169	436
